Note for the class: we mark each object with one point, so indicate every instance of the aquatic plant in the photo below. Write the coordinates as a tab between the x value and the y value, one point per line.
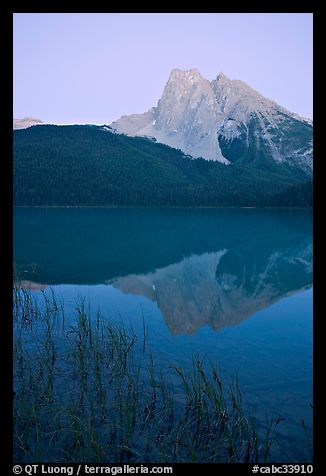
87	390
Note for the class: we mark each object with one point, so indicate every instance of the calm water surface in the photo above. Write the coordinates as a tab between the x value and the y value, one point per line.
232	285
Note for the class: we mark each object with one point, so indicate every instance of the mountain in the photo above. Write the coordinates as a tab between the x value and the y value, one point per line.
212	267
220	289
223	120
92	166
26	122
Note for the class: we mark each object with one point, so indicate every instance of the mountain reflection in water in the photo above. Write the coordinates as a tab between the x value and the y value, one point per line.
220	289
201	267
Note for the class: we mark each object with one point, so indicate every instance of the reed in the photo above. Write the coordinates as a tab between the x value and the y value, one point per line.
87	390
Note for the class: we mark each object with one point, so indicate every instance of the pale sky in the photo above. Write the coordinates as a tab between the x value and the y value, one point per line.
96	67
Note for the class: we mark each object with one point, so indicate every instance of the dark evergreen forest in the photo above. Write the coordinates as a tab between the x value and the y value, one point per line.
89	166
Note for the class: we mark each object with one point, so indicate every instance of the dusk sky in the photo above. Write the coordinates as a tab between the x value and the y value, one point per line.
94	68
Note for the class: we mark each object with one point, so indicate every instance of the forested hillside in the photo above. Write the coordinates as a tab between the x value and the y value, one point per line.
90	166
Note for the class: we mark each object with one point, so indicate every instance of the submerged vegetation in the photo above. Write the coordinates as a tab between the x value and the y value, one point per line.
86	390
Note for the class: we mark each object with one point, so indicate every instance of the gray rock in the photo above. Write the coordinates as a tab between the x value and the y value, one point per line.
223	120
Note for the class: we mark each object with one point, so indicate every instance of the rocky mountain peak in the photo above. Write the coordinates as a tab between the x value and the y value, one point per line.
224	120
186	115
185	83
222	79
186	75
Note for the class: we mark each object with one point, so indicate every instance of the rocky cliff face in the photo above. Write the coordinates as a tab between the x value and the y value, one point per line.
223	120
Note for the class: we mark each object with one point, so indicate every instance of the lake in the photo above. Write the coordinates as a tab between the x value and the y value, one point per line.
233	286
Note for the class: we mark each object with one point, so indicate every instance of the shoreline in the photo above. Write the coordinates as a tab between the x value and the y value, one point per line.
165	207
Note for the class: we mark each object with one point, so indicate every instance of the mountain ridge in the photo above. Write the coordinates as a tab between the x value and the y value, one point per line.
93	166
223	120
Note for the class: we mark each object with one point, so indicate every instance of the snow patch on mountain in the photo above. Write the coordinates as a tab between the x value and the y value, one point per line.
26	122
